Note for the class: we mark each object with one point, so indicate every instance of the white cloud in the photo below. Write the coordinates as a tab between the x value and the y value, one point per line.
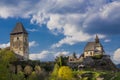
63	53
77	20
70	24
4	45
43	56
75	38
12	10
32	30
46	55
40	18
116	56
107	40
33	44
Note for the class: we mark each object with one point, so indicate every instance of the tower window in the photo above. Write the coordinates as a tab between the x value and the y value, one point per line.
17	38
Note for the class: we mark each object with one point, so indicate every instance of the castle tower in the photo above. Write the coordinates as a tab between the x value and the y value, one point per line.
19	42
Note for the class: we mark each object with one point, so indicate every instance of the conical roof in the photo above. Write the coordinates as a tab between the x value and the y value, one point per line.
19	28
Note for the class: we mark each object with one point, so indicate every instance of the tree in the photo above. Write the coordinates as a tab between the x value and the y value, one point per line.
19	68
65	73
28	70
38	69
61	60
33	76
4	72
6	56
74	55
18	76
54	74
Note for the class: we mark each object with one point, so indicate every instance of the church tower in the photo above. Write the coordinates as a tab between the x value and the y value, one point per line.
19	42
97	39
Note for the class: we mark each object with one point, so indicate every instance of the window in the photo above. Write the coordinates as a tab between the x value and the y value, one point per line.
90	53
17	38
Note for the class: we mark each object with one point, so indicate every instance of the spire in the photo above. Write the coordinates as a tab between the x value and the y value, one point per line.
19	28
74	55
97	39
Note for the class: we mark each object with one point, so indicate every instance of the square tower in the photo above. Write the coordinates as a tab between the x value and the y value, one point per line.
19	42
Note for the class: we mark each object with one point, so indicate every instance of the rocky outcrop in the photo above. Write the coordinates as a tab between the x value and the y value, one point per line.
102	63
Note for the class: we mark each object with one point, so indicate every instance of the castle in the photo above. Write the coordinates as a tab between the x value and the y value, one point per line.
19	42
91	49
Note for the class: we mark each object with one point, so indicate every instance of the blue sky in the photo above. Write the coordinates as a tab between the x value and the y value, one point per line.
58	27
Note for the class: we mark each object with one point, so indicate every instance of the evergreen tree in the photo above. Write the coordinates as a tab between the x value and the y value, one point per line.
54	74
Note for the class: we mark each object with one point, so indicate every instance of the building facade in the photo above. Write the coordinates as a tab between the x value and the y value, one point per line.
93	48
19	42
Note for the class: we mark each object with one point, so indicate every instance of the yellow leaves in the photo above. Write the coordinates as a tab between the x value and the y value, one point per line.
61	73
65	73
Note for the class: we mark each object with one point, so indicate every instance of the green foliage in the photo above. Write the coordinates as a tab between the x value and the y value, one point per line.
60	72
33	76
54	74
97	56
85	78
61	60
4	72
18	76
6	56
108	75
117	76
88	75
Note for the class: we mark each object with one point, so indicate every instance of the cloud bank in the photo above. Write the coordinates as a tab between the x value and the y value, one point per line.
77	20
4	45
116	56
31	44
46	55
